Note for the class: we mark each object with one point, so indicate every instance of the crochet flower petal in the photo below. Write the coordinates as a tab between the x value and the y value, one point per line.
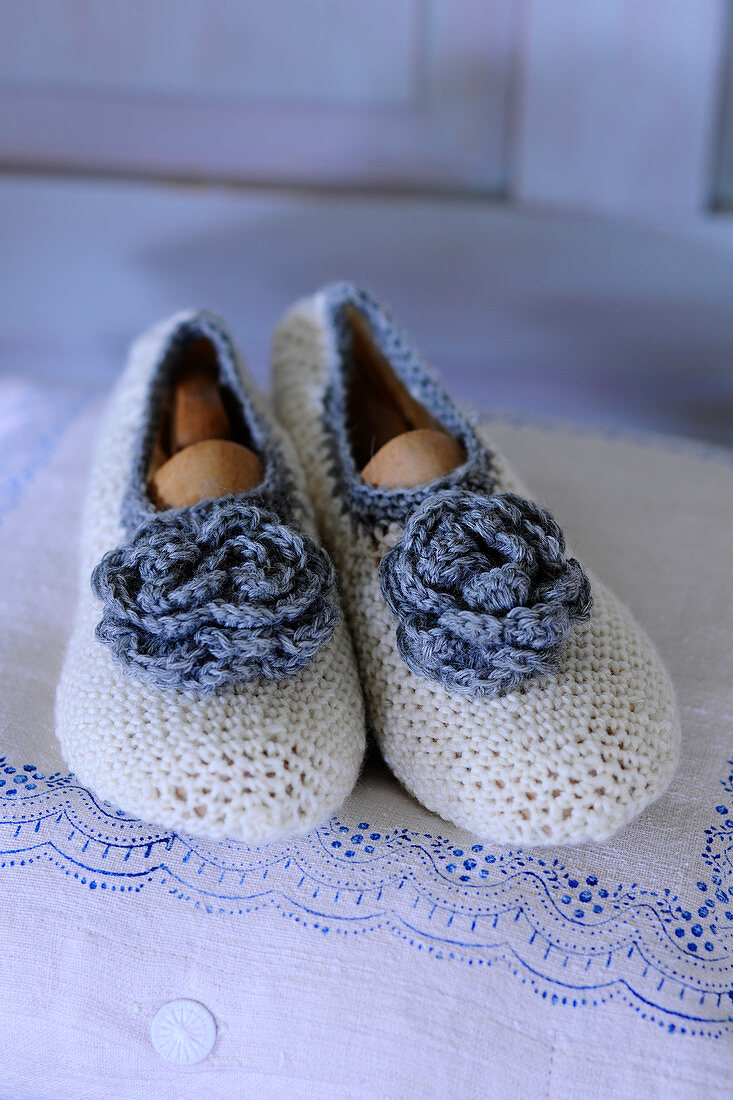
482	591
204	598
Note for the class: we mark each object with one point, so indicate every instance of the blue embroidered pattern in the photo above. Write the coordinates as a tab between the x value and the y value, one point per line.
577	941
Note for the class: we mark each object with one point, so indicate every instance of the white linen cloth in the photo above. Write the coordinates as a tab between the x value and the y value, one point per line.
388	953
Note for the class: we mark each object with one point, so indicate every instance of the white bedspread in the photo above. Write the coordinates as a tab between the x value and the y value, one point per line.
387	954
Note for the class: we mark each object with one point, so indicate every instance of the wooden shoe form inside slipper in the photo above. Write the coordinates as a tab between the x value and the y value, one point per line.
396	441
199	451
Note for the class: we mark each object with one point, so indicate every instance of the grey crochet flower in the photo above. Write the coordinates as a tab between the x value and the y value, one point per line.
206	597
483	592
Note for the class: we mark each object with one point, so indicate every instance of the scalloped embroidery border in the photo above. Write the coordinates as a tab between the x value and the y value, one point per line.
576	941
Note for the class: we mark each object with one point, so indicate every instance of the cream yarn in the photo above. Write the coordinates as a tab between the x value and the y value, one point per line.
257	761
563	759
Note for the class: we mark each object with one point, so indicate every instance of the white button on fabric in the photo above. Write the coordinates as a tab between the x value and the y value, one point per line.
183	1032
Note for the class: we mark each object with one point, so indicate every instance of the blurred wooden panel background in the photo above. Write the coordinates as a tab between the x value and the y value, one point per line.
612	105
596	134
723	166
620	104
400	93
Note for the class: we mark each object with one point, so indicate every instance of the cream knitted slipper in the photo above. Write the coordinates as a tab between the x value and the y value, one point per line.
498	697
209	684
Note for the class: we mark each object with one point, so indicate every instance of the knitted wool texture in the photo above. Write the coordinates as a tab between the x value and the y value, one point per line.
563	758
255	761
208	596
482	591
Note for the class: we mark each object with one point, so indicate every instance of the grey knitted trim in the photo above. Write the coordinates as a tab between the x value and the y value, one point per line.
482	591
276	484
216	594
226	590
368	505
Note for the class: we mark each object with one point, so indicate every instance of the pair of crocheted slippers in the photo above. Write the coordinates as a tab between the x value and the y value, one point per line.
210	683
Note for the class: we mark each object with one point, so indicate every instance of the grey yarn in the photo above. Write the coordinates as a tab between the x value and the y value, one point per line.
227	590
221	592
483	592
276	483
368	505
